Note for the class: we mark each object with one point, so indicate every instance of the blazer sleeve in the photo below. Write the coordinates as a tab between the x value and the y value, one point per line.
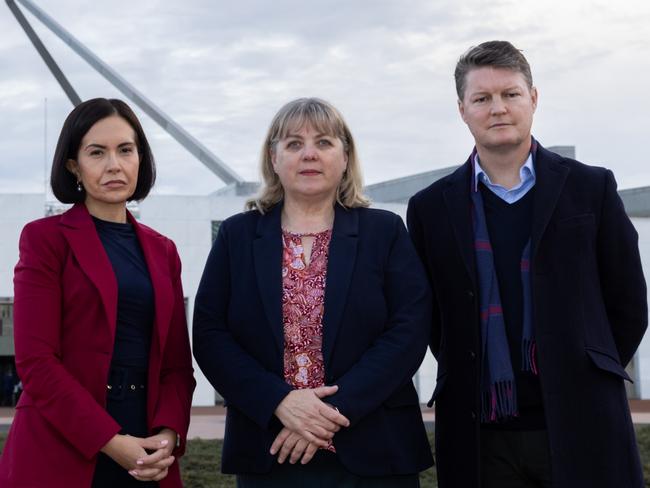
176	374
414	222
621	275
58	397
398	351
238	376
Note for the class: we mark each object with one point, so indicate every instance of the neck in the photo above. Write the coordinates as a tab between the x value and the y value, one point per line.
503	165
109	212
307	216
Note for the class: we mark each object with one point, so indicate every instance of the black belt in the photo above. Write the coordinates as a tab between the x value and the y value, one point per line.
125	381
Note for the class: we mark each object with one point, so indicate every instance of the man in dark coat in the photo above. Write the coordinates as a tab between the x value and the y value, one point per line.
540	296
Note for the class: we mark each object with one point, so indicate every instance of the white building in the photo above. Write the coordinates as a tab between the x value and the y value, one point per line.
190	222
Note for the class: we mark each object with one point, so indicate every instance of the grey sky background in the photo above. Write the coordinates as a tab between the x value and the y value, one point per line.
222	69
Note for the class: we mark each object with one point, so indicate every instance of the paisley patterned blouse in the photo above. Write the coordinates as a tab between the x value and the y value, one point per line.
302	309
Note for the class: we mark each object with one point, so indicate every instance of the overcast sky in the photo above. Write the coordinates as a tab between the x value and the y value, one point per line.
223	68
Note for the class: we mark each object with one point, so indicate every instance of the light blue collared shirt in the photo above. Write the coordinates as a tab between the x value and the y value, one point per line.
526	175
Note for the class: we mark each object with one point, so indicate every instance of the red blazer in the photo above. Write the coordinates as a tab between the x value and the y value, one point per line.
65	309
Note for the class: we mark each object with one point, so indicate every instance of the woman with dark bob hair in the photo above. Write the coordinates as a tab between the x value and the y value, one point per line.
101	339
311	318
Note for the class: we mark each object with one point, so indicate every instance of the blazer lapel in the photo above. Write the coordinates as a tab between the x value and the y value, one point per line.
340	265
155	254
267	256
550	176
458	202
79	230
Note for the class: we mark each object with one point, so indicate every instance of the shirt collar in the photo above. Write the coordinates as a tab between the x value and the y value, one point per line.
526	172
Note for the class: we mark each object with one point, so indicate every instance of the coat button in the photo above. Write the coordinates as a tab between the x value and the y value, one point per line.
473	414
472	355
470	295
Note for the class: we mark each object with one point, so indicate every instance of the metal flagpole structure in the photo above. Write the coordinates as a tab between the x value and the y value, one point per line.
194	146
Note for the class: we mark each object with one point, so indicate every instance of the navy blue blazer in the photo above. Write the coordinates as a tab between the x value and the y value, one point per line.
589	313
376	324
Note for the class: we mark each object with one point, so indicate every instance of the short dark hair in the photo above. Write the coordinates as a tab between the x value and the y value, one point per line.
75	127
498	54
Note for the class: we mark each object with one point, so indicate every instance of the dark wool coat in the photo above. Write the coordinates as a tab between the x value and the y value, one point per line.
589	309
375	329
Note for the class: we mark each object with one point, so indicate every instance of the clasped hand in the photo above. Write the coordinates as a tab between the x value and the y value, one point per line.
131	453
309	424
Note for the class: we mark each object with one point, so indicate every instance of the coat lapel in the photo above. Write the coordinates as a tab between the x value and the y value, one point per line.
550	176
458	202
154	248
79	230
267	256
340	265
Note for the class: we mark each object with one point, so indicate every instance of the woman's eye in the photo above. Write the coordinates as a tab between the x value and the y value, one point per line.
324	142
96	152
127	150
293	144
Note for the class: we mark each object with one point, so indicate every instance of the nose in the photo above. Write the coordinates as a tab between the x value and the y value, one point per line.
309	152
112	163
498	106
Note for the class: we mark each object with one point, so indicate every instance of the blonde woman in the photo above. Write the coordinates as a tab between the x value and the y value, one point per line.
311	318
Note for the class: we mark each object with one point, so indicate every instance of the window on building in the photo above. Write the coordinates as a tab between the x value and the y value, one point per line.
215	229
6	316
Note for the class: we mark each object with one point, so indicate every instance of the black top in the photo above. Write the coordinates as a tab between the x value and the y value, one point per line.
509	226
135	299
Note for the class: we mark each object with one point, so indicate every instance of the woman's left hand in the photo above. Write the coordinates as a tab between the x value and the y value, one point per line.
155	466
294	446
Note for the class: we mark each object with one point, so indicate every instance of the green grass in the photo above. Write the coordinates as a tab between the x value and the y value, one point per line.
200	465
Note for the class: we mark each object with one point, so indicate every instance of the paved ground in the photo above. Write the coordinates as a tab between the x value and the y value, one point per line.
209	422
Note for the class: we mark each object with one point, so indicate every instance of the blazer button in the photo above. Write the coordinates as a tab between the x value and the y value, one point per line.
472	355
473	414
470	295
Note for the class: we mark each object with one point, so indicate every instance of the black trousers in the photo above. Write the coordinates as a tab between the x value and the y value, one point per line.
126	402
323	471
515	459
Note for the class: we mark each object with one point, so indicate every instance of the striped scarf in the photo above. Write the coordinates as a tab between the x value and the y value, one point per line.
498	388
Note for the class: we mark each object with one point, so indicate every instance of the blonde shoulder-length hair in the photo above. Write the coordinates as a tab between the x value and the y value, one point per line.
324	118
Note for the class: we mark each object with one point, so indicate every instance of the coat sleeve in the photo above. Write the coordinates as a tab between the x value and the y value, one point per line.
58	397
621	276
397	352
176	374
414	223
234	373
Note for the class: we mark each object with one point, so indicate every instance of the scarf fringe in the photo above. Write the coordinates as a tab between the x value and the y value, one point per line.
499	402
528	357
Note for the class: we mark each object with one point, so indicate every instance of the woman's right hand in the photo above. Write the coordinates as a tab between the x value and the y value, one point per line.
303	412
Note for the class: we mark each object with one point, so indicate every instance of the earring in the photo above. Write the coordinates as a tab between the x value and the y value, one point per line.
79	187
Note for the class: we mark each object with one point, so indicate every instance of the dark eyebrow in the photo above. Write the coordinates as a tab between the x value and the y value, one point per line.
98	146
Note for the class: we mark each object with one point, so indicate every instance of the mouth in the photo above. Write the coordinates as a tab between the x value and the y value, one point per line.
499	125
114	184
309	172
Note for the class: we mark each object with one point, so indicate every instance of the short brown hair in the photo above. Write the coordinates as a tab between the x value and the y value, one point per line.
498	54
323	117
75	127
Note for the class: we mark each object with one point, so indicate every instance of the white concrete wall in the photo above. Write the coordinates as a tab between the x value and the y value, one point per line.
15	211
642	373
187	221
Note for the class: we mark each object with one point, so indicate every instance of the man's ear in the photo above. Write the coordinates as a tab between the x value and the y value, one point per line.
534	95
461	110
